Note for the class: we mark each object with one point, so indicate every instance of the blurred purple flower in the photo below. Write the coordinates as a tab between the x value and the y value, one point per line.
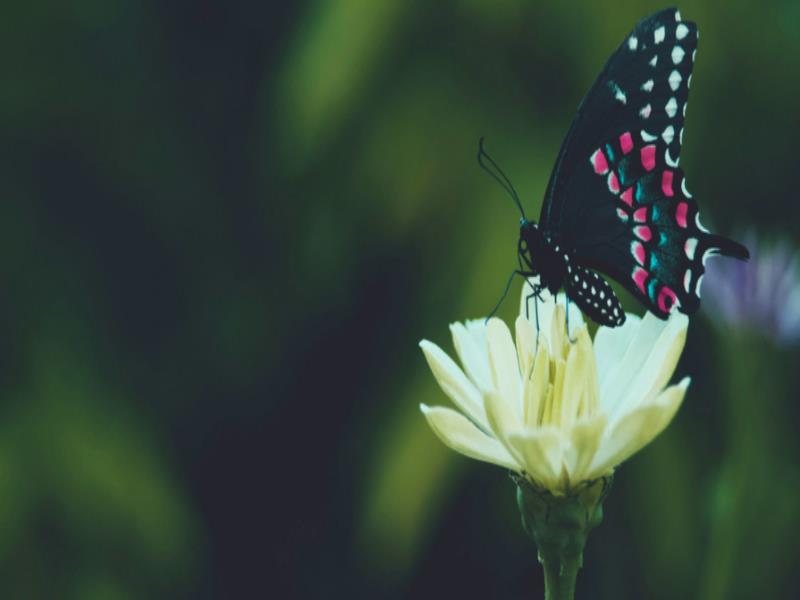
763	293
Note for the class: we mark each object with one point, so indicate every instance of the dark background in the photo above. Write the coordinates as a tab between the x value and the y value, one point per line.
224	227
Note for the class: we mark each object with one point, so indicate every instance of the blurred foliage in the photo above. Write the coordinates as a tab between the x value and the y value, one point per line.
227	225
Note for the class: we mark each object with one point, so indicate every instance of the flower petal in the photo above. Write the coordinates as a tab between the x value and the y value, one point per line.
575	315
541	451
502	419
454	383
637	429
585	438
580	380
611	344
503	365
534	387
526	345
462	436
469	338
533	308
647	365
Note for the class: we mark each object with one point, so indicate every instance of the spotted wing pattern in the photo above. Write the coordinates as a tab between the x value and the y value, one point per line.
594	296
617	197
661	255
643	89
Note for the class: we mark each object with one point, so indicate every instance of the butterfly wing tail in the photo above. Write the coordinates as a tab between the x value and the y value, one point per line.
727	247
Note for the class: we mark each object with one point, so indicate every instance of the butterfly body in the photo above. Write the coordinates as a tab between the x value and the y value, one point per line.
617	201
541	257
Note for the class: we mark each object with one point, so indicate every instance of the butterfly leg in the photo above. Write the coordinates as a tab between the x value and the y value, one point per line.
514	273
566	301
536	294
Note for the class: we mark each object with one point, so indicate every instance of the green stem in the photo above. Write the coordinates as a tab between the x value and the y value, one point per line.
559	579
560	526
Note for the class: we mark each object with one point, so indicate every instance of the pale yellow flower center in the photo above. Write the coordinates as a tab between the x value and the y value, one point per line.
561	383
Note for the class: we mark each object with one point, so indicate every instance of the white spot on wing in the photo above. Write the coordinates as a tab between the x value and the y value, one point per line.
708	254
647	86
694	53
648	137
633	42
671	107
654	60
658	35
697	286
698	223
684	190
689	248
675	80
677	15
677	54
685	104
689	81
668	134
681	31
620	95
680	137
668	159
645	112
687	280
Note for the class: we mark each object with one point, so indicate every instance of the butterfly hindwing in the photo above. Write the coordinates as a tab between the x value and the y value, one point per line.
661	249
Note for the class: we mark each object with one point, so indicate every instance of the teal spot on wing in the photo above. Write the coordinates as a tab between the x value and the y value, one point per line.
645	190
654	263
651	289
624	171
610	153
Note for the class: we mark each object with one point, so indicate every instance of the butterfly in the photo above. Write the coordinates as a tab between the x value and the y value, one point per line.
616	202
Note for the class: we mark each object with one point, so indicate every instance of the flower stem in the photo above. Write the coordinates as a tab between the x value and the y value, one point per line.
559	579
560	525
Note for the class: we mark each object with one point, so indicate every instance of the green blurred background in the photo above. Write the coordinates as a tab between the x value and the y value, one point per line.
225	227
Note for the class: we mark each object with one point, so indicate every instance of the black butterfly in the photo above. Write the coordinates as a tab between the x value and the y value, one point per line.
617	201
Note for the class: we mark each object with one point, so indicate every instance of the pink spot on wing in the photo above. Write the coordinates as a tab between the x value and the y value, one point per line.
613	182
626	142
648	154
639	277
666	183
627	196
640	215
599	162
643	233
623	216
680	214
666	299
637	249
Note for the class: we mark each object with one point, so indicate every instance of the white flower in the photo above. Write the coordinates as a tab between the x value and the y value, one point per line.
560	413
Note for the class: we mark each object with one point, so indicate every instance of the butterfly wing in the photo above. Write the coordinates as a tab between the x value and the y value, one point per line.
660	247
617	196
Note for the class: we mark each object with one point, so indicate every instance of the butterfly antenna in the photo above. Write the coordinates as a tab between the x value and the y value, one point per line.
498	175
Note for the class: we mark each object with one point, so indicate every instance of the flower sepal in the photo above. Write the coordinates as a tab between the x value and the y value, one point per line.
560	526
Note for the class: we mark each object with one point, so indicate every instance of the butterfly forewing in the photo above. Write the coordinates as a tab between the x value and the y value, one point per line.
642	90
